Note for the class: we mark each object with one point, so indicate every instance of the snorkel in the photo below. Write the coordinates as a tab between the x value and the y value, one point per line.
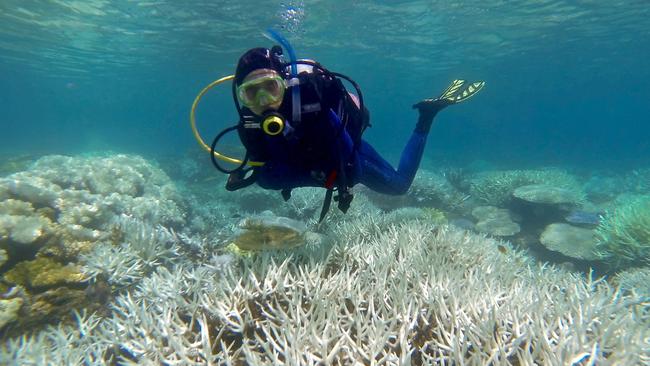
293	81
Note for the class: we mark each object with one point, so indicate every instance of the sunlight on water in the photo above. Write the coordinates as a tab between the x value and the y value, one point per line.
64	35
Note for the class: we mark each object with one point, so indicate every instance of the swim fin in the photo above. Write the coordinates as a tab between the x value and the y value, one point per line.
456	92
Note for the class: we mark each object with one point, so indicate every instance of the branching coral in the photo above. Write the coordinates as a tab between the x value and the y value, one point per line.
404	293
637	181
635	280
624	234
138	248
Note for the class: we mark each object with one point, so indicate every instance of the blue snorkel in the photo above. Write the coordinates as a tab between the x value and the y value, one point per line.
293	82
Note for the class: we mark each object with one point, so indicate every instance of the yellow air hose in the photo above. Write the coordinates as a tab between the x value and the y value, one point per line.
195	131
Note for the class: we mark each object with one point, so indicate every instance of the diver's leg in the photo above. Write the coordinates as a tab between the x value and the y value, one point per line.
378	175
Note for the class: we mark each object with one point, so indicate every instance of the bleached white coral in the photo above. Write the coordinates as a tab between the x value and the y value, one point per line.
26	230
31	188
21	224
635	280
394	294
93	189
143	247
77	198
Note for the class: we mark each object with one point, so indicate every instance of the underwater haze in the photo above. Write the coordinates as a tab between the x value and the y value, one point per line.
567	81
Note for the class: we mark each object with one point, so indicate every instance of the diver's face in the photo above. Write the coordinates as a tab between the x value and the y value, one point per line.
261	90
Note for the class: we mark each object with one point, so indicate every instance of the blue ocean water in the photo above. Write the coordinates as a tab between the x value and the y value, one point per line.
567	81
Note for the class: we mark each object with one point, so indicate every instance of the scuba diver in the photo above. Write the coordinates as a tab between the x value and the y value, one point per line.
302	128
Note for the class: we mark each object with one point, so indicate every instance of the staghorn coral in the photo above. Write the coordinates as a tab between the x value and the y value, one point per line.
636	280
404	293
137	249
623	235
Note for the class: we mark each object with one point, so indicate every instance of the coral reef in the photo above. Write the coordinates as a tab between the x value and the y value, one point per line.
634	280
637	181
600	188
547	194
21	224
407	293
623	235
605	187
496	187
429	189
61	208
15	163
434	216
9	310
3	257
392	286
495	221
70	202
574	242
136	249
44	272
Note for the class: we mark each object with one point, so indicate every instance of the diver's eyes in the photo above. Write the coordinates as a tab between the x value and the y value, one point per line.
251	91
272	86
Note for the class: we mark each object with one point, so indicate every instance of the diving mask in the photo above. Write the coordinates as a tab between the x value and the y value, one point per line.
262	91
